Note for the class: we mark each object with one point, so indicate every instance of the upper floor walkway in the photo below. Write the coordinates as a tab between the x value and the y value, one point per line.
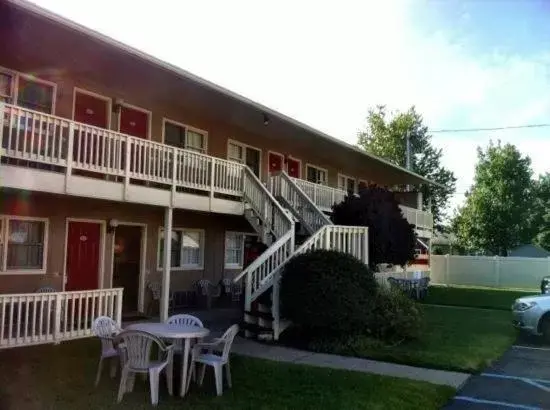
42	152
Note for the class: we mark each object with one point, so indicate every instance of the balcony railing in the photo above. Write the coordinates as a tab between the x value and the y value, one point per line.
325	197
62	145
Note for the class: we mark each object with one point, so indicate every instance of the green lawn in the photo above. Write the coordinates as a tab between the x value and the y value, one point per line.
474	297
460	339
61	378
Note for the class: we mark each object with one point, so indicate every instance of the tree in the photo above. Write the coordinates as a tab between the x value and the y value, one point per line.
540	222
497	211
391	237
385	136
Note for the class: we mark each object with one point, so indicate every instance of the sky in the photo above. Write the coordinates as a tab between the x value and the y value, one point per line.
462	64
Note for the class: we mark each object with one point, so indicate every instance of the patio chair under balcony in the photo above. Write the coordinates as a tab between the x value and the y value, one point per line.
215	354
106	330
136	349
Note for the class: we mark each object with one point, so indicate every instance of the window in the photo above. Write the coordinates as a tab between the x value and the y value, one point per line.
245	154
346	183
316	175
35	95
236	152
187	250
6	87
183	136
234	249
22	243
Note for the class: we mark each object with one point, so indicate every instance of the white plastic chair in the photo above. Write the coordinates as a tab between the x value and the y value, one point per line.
136	348
215	354
106	329
182	320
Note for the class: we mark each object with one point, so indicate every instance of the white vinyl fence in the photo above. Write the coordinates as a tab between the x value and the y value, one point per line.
488	271
38	318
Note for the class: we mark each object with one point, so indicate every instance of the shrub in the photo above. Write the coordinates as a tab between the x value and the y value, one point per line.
395	317
391	237
328	292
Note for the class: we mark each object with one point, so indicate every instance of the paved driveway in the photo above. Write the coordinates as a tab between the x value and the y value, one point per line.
520	380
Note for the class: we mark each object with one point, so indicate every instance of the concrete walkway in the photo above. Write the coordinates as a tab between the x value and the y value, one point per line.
246	347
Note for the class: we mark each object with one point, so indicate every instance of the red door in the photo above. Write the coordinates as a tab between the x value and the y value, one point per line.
275	162
293	167
91	110
83	244
134	122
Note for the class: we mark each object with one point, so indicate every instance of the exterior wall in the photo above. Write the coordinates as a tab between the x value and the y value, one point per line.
57	209
41	47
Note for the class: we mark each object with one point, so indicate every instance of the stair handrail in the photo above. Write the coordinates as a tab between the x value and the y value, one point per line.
278	179
279	222
321	237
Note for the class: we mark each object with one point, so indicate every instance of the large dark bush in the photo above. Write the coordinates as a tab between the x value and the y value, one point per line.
391	237
395	317
328	292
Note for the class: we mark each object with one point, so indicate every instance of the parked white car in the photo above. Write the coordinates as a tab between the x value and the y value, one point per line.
532	315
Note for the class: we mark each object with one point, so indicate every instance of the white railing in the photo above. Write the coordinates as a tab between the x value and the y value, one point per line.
266	206
38	137
282	186
38	318
323	196
420	219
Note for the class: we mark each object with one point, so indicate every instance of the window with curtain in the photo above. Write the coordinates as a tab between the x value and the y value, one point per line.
316	175
25	244
181	136
236	152
35	95
234	248
187	249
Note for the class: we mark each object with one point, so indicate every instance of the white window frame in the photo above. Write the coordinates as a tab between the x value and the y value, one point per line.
199	266
16	75
347	178
317	168
4	245
235	265
187	128
243	160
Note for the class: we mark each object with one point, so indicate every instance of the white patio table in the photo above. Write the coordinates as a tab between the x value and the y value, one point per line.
167	331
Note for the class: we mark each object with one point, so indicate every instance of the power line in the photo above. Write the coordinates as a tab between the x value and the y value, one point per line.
511	127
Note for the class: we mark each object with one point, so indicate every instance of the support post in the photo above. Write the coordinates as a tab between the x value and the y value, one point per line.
2	136
70	149
165	295
127	159
366	246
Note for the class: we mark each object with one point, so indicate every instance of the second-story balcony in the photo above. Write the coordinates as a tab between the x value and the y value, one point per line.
47	153
325	197
42	152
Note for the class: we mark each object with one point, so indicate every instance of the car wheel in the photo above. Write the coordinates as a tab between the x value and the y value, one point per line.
545	329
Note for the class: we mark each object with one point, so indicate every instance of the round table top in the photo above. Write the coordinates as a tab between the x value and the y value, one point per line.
168	331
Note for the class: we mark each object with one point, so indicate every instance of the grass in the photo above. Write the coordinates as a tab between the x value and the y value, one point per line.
61	378
458	339
485	298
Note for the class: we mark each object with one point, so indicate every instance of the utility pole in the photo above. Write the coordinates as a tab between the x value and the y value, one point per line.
408	154
408	150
